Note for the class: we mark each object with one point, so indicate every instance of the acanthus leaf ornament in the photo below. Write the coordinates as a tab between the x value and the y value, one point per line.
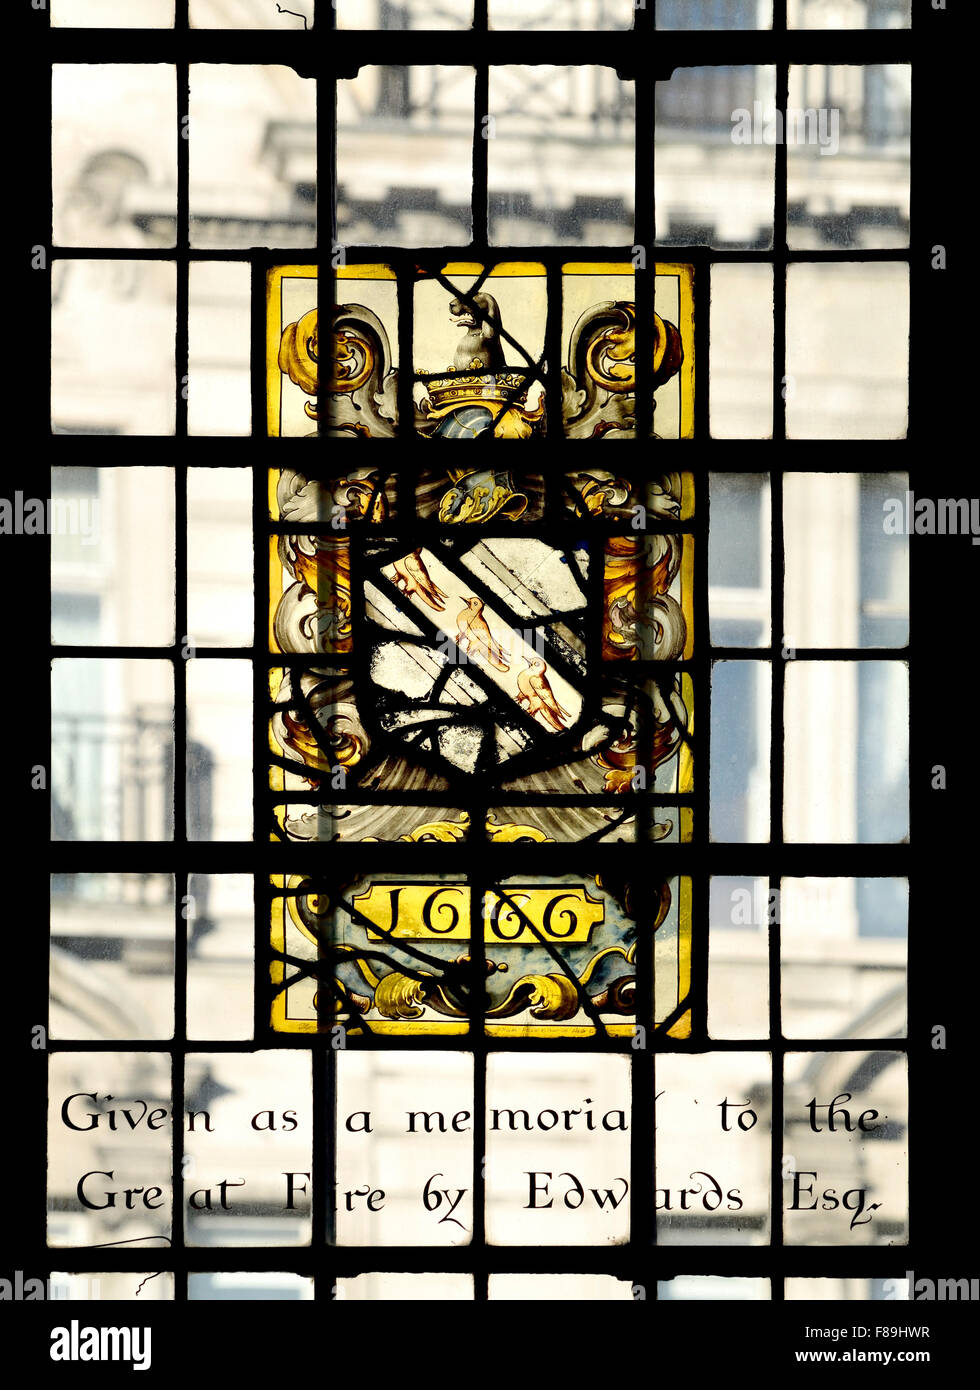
599	379
298	358
363	385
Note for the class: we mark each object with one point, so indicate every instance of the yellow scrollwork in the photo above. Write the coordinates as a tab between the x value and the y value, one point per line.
619	769
548	997
622	569
326	572
298	357
506	833
318	905
353	361
398	996
611	356
481	504
346	748
444	830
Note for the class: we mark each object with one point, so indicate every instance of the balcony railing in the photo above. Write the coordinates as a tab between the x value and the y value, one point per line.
113	778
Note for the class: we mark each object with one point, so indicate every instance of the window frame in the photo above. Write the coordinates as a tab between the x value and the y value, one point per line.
342	55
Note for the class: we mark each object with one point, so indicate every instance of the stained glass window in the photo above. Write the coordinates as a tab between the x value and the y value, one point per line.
481	881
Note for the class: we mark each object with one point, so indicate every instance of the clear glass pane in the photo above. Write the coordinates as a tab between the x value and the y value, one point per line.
846	771
248	1148
258	189
100	541
741	351
251	14
847	351
712	1113
699	1288
220	956
265	1286
113	312
114	154
219	328
739	559
149	1286
112	14
845	1132
561	14
109	1130
112	749
398	1123
844	945
558	1288
714	14
714	171
405	156
404	14
220	605
738	948
846	565
560	160
540	1143
848	14
891	1289
405	1288
847	162
112	956
219	750
741	699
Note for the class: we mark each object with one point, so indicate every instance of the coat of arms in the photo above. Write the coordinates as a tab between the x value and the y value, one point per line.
491	381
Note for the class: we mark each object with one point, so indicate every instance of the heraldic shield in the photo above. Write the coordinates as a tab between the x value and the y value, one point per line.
488	650
477	645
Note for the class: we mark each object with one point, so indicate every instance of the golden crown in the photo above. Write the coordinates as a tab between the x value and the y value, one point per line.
508	387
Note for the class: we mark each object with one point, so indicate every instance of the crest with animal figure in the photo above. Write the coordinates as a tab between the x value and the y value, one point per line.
479	368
